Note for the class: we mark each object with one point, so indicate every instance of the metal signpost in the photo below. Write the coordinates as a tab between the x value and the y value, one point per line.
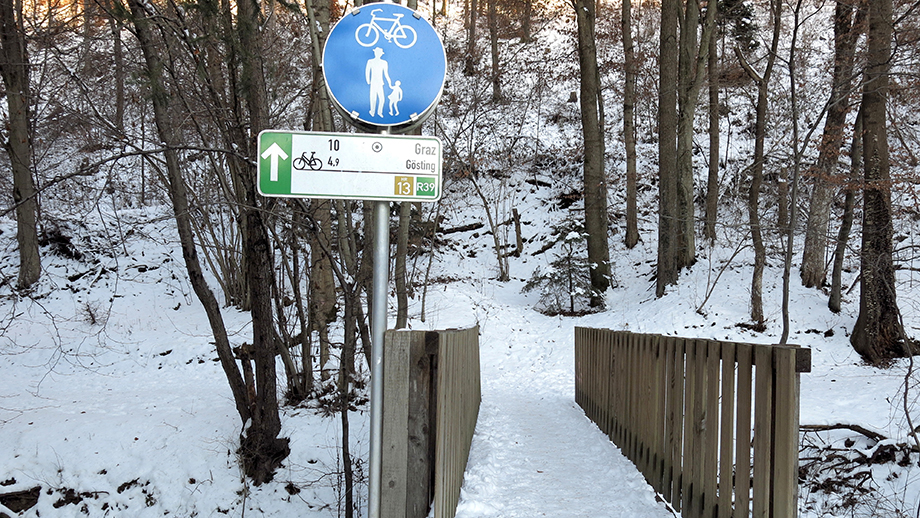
384	67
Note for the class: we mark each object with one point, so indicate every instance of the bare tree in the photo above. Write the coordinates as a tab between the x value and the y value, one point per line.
629	125
668	267
493	45
693	55
849	20
757	165
595	181
712	180
684	47
472	57
846	221
14	67
877	335
261	448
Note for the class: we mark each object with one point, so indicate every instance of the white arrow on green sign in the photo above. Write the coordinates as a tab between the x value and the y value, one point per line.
349	166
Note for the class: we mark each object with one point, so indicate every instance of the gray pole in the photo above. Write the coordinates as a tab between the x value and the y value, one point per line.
378	329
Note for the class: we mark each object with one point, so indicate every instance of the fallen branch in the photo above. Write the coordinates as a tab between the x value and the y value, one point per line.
843	426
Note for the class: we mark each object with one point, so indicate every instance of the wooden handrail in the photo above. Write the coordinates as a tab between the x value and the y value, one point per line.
712	425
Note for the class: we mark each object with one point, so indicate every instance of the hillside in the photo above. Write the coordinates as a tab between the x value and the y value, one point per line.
112	402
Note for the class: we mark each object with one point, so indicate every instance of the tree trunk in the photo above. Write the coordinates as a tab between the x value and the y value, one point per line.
306	348
848	25
594	174
668	269
877	335
782	195
629	126
525	21
493	40
471	58
760	134
14	66
322	284
179	197
399	271
712	180
119	71
261	448
692	59
846	221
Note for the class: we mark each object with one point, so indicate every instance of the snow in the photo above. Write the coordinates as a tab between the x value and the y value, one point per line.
112	402
132	412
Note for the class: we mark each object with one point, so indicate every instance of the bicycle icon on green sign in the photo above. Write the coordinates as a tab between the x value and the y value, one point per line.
367	34
302	162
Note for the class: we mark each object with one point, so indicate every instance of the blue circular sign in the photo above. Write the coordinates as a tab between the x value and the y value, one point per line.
384	67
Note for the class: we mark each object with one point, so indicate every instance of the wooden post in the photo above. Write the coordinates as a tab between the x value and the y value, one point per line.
786	435
743	442
406	463
763	431
727	434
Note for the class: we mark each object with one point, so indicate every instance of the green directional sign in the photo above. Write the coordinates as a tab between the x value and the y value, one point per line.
349	166
275	159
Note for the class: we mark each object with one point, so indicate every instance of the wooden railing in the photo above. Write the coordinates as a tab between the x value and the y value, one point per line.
696	416
431	404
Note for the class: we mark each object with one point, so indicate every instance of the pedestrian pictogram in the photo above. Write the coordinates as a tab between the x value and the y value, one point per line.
384	66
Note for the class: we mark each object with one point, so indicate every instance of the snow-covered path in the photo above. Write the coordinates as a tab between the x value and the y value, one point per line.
534	452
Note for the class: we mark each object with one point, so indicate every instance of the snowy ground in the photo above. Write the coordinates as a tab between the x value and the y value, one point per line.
112	402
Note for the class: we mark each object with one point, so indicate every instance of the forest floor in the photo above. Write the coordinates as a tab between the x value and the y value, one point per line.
112	401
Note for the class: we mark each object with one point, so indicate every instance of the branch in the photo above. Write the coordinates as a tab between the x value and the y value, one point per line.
747	67
843	426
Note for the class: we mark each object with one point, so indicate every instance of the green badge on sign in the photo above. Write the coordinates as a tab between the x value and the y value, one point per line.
275	163
426	187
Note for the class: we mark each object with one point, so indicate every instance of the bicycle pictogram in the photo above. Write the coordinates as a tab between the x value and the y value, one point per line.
302	162
367	34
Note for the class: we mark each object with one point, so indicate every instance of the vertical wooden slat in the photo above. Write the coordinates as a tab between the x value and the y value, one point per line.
444	467
743	434
623	385
629	390
667	347
612	366
395	439
699	427
622	398
660	413
600	388
763	415
727	434
419	483
652	413
609	362
786	434
678	384
711	430
691	435
579	344
459	395
642	400
607	379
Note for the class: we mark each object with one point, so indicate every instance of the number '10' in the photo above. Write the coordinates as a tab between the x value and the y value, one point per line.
333	144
